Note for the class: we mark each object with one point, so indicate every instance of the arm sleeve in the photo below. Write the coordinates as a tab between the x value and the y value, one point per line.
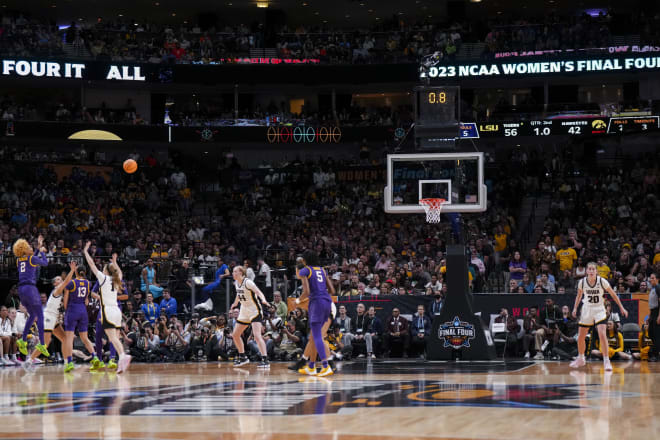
304	272
251	286
38	260
70	286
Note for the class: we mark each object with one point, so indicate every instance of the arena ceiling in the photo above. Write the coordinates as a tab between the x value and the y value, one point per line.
344	13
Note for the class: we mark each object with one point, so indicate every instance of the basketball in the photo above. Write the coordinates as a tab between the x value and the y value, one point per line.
130	166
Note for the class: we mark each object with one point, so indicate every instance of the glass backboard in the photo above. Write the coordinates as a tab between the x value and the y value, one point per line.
455	177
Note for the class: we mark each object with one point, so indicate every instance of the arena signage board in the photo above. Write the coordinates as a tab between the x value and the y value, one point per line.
592	50
573	126
54	69
432	67
303	135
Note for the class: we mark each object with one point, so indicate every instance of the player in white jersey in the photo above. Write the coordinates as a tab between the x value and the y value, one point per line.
250	298
109	285
53	314
591	291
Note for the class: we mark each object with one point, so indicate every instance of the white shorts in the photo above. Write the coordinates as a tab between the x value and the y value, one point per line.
249	313
111	317
592	316
50	321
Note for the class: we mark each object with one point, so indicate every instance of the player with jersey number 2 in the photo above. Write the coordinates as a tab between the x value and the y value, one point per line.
27	264
591	290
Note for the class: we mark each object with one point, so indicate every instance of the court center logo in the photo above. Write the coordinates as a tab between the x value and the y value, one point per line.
456	333
312	396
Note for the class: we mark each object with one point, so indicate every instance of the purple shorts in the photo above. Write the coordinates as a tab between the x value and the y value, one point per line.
29	295
319	311
75	318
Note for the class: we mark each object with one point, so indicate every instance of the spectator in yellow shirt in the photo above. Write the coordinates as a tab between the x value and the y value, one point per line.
602	268
645	343
500	239
566	257
614	342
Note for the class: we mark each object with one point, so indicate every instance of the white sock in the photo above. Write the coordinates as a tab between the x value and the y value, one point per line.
580	356
6	356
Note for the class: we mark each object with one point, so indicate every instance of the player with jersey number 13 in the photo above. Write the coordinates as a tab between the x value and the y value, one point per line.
591	290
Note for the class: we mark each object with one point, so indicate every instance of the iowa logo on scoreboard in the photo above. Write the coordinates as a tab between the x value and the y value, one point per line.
456	333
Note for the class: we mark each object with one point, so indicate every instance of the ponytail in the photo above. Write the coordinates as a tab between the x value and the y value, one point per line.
116	280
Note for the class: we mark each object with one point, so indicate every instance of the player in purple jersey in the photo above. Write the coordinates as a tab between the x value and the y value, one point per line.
76	298
98	334
27	264
317	287
52	312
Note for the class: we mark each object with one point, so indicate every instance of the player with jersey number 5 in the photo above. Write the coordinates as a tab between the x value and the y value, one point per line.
109	286
27	264
251	299
591	291
316	286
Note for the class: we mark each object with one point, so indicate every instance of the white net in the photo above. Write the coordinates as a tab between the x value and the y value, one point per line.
433	208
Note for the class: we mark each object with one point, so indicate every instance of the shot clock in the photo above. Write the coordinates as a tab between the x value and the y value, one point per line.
437	110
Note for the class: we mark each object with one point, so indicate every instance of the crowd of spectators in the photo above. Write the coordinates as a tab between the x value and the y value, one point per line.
148	217
353	115
604	215
389	41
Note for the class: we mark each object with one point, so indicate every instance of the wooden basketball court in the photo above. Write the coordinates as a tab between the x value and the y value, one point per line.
380	399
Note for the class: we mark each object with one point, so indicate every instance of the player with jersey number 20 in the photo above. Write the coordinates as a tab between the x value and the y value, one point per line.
591	290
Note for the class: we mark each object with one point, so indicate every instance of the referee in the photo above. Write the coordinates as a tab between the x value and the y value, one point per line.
654	320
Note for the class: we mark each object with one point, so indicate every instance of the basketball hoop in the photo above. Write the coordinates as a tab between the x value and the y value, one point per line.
433	208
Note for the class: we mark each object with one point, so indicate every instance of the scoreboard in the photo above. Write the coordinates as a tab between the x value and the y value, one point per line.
437	116
584	126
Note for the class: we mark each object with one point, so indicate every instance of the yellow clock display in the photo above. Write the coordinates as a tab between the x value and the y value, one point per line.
437	97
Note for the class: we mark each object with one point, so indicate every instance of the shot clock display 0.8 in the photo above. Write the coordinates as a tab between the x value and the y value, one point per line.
436	106
437	97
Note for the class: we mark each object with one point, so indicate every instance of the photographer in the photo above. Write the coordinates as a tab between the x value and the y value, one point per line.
565	345
550	317
193	324
176	346
291	344
140	349
162	329
274	326
512	329
198	343
220	342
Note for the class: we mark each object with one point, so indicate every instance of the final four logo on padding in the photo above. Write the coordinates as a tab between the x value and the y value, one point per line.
456	333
